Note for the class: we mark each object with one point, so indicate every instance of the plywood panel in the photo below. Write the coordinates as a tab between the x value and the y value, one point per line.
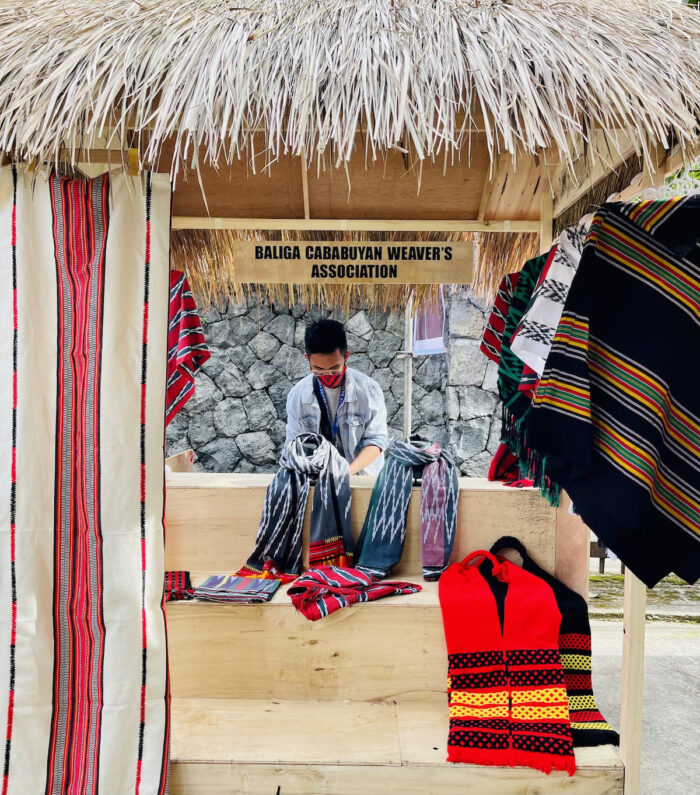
515	191
389	188
366	652
381	754
212	521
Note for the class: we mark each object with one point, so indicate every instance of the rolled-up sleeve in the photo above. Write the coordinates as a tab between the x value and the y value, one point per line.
294	424
376	433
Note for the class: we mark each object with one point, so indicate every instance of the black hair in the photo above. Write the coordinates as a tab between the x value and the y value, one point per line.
325	336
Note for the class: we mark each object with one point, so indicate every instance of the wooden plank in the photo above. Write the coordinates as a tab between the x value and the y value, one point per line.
572	548
634	623
271	651
351	262
417	224
546	219
300	730
320	732
212	520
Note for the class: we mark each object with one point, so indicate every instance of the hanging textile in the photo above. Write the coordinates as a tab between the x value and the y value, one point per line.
83	683
495	325
187	348
384	531
277	553
534	335
617	412
324	589
505	680
516	403
178	586
429	327
588	726
236	590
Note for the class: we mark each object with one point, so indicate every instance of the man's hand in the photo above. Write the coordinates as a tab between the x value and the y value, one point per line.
364	458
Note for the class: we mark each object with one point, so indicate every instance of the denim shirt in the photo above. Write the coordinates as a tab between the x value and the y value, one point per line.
361	418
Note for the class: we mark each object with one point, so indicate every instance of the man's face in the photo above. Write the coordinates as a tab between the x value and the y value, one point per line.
327	363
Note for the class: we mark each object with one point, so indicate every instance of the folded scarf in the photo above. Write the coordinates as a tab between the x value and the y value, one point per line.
177	586
324	589
236	590
384	531
588	726
277	553
505	683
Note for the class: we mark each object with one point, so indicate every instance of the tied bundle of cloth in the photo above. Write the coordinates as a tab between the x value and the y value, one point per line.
332	582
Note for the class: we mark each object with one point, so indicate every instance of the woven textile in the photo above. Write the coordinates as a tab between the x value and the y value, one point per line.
83	337
236	590
617	411
384	530
324	589
277	553
534	335
178	586
187	348
588	726
505	683
495	325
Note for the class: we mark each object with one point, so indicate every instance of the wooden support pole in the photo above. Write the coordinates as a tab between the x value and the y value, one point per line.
305	186
408	371
634	622
546	216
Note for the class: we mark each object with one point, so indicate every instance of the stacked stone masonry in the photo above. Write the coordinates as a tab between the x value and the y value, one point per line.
236	420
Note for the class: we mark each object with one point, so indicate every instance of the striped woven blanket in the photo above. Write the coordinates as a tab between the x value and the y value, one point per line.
617	411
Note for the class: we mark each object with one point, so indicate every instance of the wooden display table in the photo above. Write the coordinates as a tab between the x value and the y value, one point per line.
353	704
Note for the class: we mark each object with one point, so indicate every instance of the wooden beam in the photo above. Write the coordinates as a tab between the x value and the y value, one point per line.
353	225
634	624
305	187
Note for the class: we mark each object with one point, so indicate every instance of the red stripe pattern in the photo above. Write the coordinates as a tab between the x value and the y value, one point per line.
13	494
80	224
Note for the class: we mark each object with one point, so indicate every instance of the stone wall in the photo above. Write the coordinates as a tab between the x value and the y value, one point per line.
236	420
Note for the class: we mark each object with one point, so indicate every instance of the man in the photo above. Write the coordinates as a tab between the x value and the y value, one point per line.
340	403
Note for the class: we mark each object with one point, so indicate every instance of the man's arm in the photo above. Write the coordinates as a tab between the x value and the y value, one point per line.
364	458
294	425
376	437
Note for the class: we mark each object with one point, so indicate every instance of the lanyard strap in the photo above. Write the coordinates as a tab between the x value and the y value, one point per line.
341	400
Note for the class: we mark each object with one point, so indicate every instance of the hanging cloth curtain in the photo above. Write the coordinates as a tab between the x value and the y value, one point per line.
83	347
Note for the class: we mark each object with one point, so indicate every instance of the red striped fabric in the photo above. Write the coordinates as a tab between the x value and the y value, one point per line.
187	348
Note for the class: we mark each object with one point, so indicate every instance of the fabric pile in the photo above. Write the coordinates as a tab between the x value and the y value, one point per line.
178	586
613	416
229	589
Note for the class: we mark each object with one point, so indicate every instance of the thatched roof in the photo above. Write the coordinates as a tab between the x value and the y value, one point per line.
312	74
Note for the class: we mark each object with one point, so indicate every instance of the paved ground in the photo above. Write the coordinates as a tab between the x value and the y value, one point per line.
671	723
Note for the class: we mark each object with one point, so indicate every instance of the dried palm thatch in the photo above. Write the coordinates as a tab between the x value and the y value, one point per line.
207	257
312	74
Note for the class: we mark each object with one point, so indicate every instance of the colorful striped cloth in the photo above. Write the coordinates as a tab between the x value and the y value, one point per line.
588	726
324	589
493	331
84	689
187	348
617	412
178	586
231	589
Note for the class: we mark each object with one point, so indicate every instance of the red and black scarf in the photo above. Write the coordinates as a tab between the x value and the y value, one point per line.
505	684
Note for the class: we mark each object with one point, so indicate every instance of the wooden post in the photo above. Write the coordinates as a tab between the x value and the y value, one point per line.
546	216
408	370
634	619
